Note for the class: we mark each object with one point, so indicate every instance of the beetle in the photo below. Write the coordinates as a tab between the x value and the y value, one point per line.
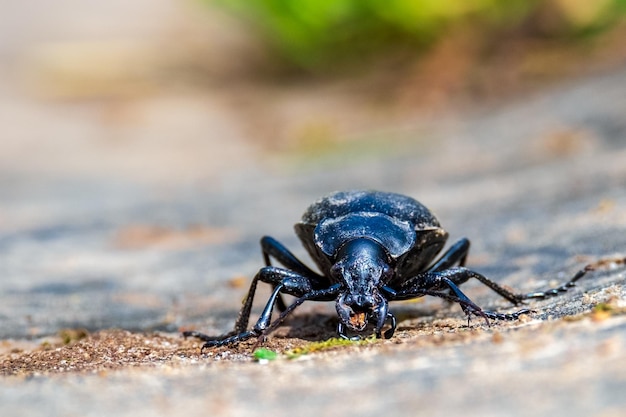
371	247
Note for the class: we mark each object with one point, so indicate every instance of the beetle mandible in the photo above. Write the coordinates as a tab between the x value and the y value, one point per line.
371	247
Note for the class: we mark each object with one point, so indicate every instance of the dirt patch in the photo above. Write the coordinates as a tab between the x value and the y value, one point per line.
97	352
110	350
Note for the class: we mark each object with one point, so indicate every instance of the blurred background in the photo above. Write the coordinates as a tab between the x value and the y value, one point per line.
166	90
137	134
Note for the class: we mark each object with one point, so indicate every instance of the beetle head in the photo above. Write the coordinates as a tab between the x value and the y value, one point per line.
362	267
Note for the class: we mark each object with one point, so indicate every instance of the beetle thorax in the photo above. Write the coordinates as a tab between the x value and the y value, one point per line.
361	262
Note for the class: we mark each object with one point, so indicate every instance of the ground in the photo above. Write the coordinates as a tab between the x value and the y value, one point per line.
127	219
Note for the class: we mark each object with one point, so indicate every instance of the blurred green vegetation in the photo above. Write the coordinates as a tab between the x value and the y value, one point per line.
325	35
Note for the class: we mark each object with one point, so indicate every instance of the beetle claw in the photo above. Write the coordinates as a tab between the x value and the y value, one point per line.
470	308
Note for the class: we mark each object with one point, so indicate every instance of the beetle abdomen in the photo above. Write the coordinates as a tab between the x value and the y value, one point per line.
394	205
389	218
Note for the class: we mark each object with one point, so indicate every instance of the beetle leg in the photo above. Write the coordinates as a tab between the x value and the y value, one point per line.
273	248
325	294
540	295
471	308
518	298
244	314
240	325
442	284
507	316
552	292
459	275
467	305
438	284
283	280
457	253
261	324
242	319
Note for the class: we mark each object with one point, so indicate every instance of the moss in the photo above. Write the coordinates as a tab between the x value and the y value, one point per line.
332	343
324	36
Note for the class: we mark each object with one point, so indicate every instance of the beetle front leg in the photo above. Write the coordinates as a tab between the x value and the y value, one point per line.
264	325
272	248
261	324
325	294
242	319
284	281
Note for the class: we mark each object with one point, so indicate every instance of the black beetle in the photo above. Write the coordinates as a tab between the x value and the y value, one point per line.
371	247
